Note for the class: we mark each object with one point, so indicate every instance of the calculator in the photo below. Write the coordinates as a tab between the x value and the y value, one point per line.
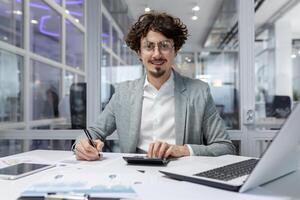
144	160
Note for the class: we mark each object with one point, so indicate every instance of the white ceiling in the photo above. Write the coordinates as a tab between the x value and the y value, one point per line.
209	10
267	10
272	10
198	29
293	16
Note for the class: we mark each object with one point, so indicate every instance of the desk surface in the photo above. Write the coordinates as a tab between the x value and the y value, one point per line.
156	186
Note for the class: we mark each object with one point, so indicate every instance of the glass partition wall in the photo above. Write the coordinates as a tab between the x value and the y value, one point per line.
277	64
119	63
42	47
216	62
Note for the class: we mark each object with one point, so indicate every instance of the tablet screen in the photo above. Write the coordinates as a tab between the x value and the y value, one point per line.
20	169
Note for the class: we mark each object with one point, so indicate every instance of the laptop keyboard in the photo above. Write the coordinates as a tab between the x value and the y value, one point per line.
231	171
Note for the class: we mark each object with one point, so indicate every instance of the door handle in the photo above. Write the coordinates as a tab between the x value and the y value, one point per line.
249	117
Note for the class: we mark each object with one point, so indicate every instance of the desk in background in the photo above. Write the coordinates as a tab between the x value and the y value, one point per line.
156	186
269	123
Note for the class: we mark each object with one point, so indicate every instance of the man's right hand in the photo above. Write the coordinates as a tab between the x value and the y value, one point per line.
84	151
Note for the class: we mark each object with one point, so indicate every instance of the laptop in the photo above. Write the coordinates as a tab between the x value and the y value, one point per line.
238	173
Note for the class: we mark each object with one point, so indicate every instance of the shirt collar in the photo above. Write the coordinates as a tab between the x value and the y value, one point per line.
167	84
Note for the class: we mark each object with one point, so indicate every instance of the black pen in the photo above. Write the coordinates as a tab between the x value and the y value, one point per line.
88	135
90	139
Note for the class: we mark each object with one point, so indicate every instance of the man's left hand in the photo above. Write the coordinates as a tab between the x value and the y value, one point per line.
163	150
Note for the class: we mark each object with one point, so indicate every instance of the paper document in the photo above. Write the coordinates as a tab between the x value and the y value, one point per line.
92	184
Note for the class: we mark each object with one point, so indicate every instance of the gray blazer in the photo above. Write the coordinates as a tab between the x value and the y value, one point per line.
197	121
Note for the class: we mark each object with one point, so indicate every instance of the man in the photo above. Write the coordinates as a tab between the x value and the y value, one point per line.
163	113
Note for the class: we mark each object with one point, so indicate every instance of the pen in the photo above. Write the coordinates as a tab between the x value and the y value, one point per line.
90	139
88	135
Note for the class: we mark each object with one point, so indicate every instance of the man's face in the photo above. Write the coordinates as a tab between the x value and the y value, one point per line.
157	54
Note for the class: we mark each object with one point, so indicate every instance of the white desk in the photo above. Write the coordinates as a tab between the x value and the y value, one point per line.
157	186
269	123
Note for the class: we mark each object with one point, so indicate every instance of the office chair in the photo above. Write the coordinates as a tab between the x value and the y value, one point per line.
78	105
279	106
78	109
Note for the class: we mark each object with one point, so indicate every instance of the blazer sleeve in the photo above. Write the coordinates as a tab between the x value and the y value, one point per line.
216	139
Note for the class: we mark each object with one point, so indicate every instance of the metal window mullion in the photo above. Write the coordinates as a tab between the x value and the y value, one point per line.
27	89
118	49
93	78
196	63
27	82
45	60
113	54
12	49
112	20
246	56
63	51
62	11
89	117
74	70
27	56
44	135
11	125
54	63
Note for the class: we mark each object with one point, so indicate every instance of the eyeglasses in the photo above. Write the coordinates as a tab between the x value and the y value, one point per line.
165	46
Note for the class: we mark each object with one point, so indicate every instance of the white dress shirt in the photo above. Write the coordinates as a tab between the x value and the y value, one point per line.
158	114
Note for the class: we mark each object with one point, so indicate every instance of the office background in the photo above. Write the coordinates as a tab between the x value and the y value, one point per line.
60	59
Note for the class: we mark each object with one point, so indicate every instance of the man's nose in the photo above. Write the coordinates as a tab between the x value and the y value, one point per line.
156	52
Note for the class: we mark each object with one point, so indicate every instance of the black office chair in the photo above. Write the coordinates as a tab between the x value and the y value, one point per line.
78	110
78	105
279	106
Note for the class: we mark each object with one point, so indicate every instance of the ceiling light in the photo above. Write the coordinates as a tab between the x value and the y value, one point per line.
76	20
33	21
204	53
37	82
299	52
194	17
217	83
67	11
196	8
17	12
70	76
147	9
293	56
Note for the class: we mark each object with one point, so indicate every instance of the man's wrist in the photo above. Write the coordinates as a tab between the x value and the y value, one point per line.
185	150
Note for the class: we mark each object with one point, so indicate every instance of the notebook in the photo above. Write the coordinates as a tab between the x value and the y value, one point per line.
244	173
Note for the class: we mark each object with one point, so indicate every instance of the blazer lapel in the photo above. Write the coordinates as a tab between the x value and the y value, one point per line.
136	101
181	102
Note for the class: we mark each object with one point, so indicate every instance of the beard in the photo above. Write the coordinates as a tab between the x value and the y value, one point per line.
157	72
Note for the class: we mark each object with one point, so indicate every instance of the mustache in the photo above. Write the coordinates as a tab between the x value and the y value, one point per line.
155	60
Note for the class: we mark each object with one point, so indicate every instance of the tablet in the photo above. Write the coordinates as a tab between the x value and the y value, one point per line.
22	169
144	160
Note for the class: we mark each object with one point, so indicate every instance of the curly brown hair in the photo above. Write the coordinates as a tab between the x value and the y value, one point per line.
171	27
